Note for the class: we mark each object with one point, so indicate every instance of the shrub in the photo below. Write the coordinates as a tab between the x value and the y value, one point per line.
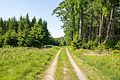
101	47
76	44
11	39
1	40
92	44
73	44
116	52
117	46
85	45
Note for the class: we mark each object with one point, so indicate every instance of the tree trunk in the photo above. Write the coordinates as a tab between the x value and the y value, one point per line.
110	24
90	25
73	22
100	27
81	24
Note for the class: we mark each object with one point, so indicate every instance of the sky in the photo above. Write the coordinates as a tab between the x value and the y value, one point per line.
37	8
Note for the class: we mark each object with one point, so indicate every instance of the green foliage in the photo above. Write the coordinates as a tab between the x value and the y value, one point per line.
93	22
101	47
24	32
104	65
21	39
91	44
35	37
118	45
76	44
85	45
58	41
64	68
1	40
22	63
116	52
11	39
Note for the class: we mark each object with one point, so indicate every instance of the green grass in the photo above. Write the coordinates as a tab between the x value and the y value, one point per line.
64	69
24	63
98	67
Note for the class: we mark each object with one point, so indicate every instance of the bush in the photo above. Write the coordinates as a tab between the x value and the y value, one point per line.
117	46
11	39
101	47
85	45
91	44
76	44
116	52
1	40
111	43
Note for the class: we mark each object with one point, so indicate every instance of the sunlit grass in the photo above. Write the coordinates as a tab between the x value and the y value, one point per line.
24	63
64	69
100	66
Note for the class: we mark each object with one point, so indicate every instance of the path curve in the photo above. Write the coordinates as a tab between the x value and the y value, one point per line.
79	73
50	73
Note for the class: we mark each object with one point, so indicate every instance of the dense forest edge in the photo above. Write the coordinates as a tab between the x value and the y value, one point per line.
87	24
90	24
25	32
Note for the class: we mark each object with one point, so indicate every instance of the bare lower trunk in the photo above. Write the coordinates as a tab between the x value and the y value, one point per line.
90	25
81	24
101	26
110	24
73	22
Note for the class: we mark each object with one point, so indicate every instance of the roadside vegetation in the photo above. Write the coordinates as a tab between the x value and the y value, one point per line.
98	66
64	69
23	63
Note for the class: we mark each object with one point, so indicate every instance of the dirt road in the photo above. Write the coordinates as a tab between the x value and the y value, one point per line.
80	75
50	73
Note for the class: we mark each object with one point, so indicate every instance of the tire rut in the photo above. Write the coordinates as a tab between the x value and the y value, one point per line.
51	70
79	73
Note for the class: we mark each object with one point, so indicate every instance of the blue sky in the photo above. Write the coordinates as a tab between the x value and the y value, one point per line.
38	8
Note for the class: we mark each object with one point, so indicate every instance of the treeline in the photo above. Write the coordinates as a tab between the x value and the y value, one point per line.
24	32
90	23
59	41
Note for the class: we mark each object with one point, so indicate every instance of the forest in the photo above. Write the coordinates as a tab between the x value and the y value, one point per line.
90	23
89	50
25	32
87	24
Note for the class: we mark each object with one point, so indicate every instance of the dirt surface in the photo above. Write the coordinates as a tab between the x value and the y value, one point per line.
65	70
79	73
50	73
51	70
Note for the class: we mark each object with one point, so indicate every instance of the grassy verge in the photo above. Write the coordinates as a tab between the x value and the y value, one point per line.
98	67
24	63
64	69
